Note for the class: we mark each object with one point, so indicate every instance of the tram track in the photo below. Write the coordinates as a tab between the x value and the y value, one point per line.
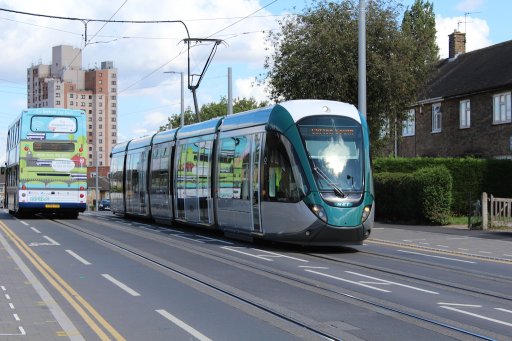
446	327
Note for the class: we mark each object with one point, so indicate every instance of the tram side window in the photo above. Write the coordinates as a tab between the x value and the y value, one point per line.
234	168
283	179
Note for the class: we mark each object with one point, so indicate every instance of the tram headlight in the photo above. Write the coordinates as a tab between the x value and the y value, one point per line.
366	213
319	212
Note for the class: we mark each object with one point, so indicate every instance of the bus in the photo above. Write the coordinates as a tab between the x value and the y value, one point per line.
296	172
46	166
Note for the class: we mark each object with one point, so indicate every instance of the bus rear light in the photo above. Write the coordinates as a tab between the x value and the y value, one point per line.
82	188
81	195
26	148
23	187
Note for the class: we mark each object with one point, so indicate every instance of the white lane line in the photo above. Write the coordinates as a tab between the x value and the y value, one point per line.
504	310
35	230
80	259
16	317
383	281
478	316
51	240
216	240
11	306
283	256
192	239
198	335
3	288
423	254
460	305
7	297
454	238
22	331
245	253
413	240
459	248
486	252
24	223
346	280
121	285
444	246
313	267
424	243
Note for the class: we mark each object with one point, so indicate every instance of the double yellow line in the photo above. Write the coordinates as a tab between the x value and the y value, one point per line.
97	323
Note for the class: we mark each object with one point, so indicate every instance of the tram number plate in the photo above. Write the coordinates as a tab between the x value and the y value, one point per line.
52	206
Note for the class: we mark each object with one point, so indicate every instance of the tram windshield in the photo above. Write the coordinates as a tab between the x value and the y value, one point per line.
335	147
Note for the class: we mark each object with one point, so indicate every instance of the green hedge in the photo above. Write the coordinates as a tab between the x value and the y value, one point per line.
470	176
421	196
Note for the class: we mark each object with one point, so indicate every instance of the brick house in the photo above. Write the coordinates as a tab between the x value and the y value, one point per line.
466	109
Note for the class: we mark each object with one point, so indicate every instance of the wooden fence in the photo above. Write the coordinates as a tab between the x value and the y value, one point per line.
499	213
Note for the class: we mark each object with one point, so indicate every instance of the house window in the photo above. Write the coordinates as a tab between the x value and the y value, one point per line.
408	125
502	108
436	117
465	114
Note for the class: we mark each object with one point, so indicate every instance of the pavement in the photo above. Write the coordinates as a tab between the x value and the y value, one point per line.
455	239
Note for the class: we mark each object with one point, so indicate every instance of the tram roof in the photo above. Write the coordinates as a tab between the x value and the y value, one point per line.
199	129
165	136
299	109
246	119
120	147
140	142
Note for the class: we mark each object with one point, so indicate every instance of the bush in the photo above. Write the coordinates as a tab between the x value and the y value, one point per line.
470	176
421	196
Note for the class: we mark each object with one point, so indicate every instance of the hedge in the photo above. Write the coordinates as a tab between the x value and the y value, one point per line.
470	176
421	196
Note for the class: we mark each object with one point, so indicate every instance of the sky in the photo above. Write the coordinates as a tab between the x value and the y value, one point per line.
144	53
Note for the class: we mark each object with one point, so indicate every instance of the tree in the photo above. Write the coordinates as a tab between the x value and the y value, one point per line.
212	110
316	56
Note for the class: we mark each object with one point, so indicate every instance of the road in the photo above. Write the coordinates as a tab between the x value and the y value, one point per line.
103	277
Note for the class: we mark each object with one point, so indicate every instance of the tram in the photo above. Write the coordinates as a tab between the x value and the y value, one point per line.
295	172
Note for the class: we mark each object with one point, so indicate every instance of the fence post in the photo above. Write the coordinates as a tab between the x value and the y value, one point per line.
484	211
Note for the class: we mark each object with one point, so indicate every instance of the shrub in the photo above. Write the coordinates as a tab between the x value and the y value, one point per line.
421	196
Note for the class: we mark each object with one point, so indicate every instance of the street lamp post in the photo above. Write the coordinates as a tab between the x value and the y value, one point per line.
182	118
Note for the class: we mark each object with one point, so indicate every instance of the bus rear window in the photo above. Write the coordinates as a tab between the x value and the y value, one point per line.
53	124
53	147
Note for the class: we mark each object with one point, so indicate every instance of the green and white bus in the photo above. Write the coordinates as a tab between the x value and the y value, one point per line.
46	166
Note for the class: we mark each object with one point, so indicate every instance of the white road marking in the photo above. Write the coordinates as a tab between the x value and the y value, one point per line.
273	254
35	230
504	310
313	267
459	248
189	238
22	333
383	281
51	240
424	243
413	240
7	297
507	255
486	252
423	254
215	240
24	223
245	253
198	335
11	306
460	305
444	246
78	257
16	317
346	280
3	288
121	285
478	316
453	238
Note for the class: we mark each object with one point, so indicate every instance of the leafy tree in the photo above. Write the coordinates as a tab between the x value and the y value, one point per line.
316	56
212	110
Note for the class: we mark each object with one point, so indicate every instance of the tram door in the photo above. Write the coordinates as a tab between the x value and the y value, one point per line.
238	194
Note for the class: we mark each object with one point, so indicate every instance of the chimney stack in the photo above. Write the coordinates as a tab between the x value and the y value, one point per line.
457	44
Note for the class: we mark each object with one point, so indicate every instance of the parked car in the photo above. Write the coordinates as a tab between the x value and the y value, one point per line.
104	205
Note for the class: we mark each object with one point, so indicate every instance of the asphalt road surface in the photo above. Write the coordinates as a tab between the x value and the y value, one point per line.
104	277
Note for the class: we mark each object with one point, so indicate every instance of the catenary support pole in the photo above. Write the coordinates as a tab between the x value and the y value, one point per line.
362	59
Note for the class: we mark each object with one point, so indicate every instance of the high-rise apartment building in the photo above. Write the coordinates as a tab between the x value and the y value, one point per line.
64	84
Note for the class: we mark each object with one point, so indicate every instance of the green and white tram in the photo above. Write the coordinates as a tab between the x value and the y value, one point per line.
297	172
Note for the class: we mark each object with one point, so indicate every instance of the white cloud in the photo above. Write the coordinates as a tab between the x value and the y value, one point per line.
477	34
248	87
469	5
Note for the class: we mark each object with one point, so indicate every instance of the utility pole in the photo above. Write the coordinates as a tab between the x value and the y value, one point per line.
230	92
182	114
362	59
